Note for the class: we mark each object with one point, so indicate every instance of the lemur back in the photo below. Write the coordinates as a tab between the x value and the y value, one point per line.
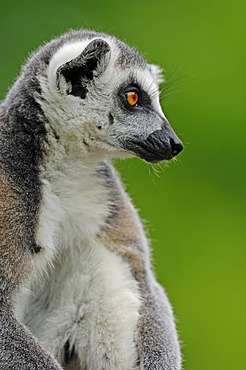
77	289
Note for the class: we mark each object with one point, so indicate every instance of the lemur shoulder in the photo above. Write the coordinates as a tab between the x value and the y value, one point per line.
77	289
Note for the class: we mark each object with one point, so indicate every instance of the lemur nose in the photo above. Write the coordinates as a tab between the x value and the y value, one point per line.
176	146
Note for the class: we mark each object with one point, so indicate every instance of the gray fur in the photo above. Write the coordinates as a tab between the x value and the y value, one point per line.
55	142
18	348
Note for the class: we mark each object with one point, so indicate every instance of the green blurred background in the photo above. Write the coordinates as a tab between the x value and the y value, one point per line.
195	207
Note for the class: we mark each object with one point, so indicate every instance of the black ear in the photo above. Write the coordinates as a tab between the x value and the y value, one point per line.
90	63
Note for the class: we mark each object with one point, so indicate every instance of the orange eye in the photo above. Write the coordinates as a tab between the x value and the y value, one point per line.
132	98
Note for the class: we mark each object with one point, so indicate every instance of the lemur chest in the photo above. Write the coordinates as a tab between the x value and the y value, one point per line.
81	293
71	213
89	300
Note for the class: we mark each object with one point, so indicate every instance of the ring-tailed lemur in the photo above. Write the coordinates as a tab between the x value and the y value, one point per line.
77	290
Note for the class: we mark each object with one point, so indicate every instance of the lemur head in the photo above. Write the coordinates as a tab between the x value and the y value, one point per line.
101	98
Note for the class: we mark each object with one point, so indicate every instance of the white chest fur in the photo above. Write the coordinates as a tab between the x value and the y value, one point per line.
85	295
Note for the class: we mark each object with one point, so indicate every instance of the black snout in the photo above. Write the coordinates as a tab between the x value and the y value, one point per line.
176	147
163	144
160	145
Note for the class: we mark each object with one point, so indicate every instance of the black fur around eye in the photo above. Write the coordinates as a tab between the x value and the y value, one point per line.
133	97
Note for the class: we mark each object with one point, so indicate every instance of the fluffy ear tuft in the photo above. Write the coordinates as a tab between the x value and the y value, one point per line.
91	63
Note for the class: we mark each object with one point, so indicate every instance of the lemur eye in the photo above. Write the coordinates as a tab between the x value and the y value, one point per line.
132	98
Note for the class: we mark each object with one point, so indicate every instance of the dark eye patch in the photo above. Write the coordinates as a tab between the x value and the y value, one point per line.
144	101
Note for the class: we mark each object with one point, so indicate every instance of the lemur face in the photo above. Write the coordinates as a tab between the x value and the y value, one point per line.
102	98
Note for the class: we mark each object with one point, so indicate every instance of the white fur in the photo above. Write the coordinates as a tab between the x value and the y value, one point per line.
93	298
51	214
96	309
157	72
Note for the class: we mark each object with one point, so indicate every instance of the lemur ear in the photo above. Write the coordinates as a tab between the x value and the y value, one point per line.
91	63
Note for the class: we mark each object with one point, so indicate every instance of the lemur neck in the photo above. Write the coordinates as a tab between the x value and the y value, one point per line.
82	191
